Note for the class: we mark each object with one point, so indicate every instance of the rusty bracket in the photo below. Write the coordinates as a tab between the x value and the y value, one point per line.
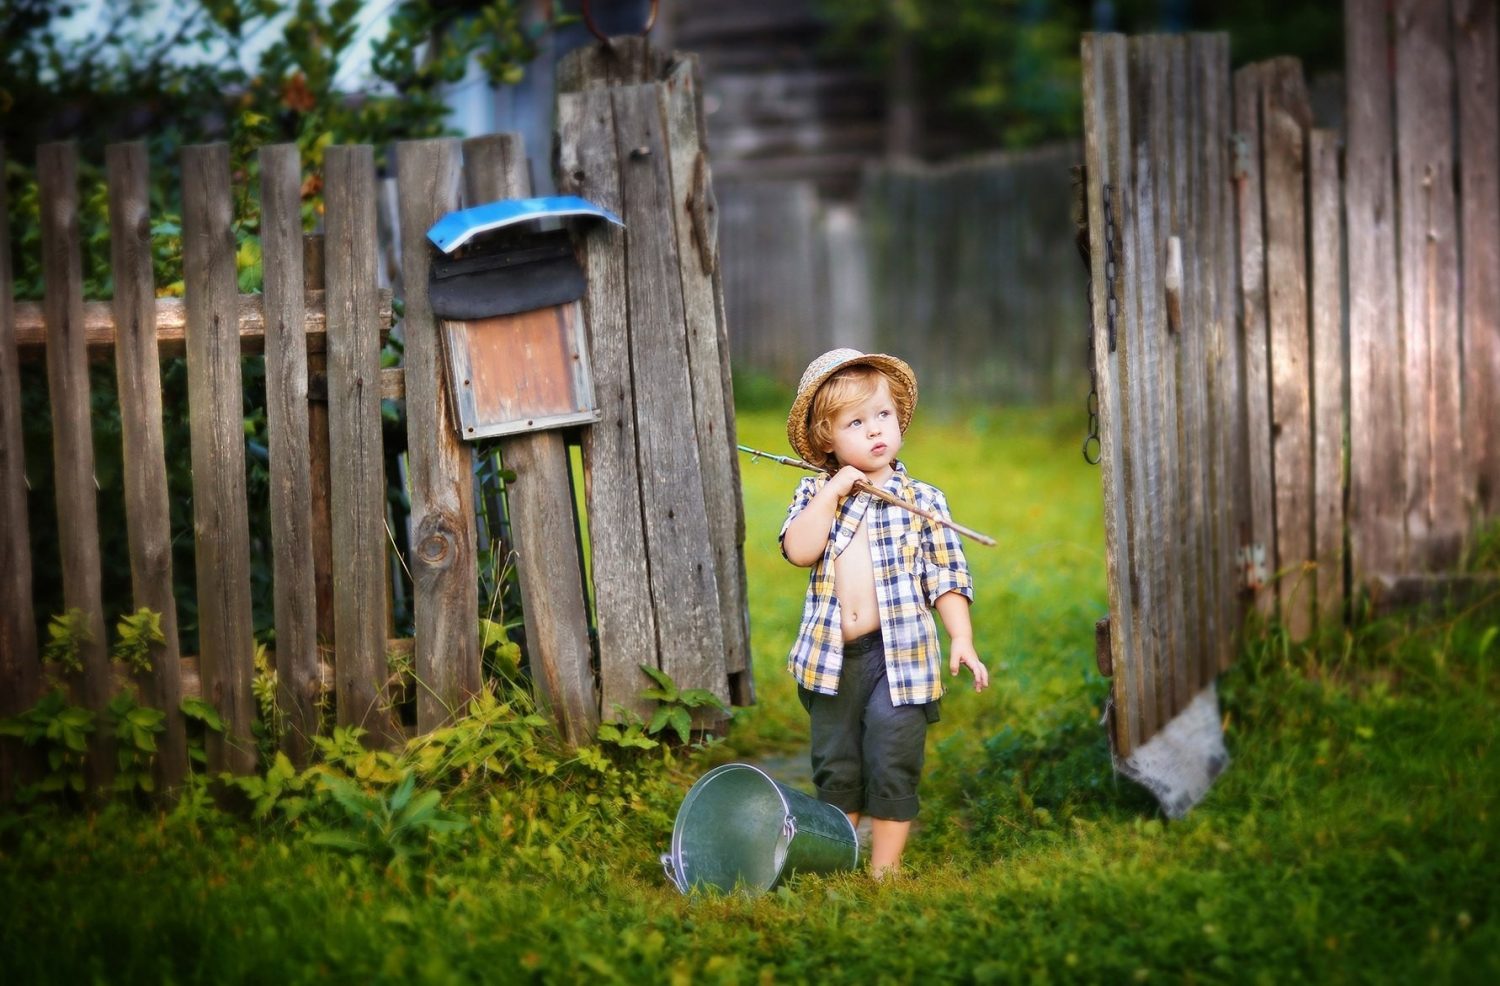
1251	561
1239	146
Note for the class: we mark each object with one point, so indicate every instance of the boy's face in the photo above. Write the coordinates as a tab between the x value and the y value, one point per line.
867	435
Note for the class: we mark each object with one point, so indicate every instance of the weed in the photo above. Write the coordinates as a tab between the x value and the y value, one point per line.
66	635
674	706
137	635
62	730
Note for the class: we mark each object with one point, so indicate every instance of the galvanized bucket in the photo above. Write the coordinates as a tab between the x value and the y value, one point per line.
738	829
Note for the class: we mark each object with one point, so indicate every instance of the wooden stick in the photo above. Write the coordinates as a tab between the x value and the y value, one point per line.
863	487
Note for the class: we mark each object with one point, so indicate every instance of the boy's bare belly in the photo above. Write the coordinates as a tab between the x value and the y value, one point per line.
854	584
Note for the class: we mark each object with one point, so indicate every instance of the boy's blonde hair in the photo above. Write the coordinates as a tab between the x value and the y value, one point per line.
842	391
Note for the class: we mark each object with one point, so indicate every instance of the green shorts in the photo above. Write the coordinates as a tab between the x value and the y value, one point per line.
867	754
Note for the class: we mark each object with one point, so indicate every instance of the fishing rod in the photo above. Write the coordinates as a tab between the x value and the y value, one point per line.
862	486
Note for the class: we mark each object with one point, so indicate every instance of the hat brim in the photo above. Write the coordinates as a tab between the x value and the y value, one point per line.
797	424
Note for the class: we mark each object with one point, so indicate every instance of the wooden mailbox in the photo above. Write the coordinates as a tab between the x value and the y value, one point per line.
513	335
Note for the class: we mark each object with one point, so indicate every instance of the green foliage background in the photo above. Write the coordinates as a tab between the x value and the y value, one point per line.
1005	73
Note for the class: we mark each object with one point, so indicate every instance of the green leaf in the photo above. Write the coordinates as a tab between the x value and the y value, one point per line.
196	708
403	791
659	719
696	697
682	723
662	679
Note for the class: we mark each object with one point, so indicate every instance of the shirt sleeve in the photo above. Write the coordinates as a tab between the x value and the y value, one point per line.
944	567
800	499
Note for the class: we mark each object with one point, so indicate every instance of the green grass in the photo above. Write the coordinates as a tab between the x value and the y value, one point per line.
1352	839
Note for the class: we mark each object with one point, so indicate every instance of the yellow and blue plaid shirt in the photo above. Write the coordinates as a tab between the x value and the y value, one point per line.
914	560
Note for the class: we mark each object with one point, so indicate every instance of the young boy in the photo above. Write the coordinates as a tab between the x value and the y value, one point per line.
867	656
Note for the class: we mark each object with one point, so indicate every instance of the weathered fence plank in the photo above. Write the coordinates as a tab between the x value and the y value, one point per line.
20	664
1106	126
1233	493
625	621
1143	251
1376	398
683	587
147	505
298	676
1140	362
1285	118
713	404
541	503
319	458
443	561
1326	273
1212	254
1261	540
1474	37
1428	254
220	515
72	436
354	429
1184	377
741	683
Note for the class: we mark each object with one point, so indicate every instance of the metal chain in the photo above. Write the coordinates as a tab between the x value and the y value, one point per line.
1093	449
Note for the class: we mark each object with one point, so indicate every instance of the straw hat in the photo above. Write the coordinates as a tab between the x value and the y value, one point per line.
825	366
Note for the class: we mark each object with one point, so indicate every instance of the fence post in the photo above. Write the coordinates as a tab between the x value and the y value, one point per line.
1377	482
20	665
299	680
1327	274
541	503
694	210
444	534
1106	138
319	458
72	436
1479	144
354	432
1285	119
147	510
588	166
220	514
1260	536
1428	256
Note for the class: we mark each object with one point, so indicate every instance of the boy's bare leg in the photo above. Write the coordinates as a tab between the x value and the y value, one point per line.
887	840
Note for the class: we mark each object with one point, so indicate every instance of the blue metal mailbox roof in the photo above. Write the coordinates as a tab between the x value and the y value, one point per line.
456	228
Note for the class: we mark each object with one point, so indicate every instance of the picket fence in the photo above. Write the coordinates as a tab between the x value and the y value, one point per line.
665	528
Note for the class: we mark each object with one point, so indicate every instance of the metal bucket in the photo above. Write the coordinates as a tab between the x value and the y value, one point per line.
738	829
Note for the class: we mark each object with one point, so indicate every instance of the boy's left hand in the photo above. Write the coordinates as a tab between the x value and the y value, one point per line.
963	654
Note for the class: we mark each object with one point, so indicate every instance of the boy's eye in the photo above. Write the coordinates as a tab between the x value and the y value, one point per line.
853	423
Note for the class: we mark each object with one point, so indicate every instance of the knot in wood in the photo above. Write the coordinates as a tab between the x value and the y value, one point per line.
434	548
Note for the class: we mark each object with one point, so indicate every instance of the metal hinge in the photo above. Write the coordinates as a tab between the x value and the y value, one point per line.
1251	559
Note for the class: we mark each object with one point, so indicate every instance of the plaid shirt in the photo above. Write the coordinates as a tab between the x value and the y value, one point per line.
915	561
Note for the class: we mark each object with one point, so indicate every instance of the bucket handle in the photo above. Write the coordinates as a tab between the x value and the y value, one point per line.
789	828
671	871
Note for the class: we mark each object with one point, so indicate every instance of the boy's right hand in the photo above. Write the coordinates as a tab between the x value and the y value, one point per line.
842	482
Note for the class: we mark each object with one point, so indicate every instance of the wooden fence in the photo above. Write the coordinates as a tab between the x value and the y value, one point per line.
968	270
665	529
1250	382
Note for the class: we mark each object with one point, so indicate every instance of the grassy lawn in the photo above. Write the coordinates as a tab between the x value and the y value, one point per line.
1353	838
